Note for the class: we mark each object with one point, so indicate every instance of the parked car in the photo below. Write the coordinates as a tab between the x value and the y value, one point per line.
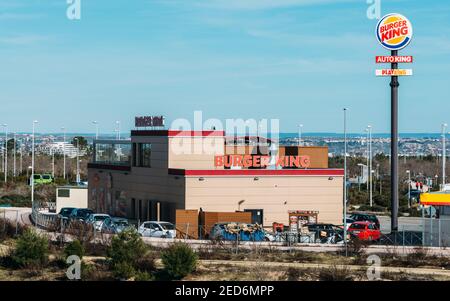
157	229
115	225
97	219
41	179
65	212
366	231
326	233
80	214
366	217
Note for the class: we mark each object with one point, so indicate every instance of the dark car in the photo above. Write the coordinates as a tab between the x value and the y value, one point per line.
66	212
366	217
324	231
80	214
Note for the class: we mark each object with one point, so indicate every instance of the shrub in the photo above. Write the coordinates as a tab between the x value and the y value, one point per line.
74	248
179	260
146	263
127	250
123	270
335	273
143	276
31	250
126	247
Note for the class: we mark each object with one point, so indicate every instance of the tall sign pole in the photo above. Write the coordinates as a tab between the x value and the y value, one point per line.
394	32
394	146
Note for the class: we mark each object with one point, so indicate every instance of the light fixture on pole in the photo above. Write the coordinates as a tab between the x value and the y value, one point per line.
409	188
300	128
32	166
444	126
64	152
345	180
96	129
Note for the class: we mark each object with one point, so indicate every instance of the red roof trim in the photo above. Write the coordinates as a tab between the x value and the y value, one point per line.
258	172
174	133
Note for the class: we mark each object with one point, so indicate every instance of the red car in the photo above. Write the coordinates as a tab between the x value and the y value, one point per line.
365	231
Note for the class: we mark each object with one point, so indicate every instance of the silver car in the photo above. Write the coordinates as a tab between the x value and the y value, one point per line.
157	229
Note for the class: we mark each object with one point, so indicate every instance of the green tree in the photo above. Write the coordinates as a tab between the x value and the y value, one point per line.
82	142
179	260
31	250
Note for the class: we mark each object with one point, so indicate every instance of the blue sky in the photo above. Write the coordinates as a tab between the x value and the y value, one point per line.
301	61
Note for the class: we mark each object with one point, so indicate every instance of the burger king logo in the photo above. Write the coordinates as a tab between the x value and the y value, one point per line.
394	31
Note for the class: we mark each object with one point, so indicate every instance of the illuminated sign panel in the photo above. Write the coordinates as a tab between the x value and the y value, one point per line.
380	59
149	121
261	161
394	31
393	72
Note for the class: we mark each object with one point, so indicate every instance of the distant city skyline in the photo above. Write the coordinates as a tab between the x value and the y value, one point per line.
299	61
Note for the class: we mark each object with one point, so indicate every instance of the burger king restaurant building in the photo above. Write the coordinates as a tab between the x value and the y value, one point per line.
159	171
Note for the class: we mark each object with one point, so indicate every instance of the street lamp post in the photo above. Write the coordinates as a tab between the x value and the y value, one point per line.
32	166
14	154
362	172
6	152
409	188
118	130
370	165
21	158
367	151
300	127
53	161
444	125
96	129
64	152
78	160
345	180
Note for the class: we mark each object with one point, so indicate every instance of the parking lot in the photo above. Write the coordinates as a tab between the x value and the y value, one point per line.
404	224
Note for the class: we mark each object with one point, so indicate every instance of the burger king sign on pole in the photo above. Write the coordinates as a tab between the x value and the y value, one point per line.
394	32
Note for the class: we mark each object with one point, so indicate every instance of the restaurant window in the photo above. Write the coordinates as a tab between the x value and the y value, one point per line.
145	152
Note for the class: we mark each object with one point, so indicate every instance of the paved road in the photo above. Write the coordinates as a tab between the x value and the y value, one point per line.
12	213
404	223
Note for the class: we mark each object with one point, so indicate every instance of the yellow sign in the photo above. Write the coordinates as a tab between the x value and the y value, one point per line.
393	72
